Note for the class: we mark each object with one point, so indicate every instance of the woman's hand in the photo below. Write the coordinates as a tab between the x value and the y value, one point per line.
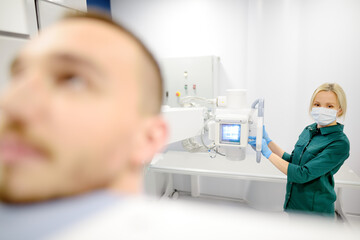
266	136
280	163
264	147
272	145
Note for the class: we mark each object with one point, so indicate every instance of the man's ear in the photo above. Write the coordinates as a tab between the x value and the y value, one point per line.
152	137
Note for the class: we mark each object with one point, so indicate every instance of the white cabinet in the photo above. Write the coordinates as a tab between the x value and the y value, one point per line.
74	4
17	23
189	76
49	13
13	16
9	46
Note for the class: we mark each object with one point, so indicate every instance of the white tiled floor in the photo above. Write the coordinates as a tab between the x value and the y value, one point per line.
354	221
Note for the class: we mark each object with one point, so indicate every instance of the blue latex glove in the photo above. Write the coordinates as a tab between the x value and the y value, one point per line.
264	147
266	136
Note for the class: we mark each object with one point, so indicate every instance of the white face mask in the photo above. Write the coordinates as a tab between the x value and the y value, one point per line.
323	116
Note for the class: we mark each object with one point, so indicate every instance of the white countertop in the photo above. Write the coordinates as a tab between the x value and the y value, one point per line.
201	164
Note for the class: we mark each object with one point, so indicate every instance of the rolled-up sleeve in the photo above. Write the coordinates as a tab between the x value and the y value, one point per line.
287	157
332	156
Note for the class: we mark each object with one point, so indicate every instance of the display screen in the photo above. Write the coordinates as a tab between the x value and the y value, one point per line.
230	133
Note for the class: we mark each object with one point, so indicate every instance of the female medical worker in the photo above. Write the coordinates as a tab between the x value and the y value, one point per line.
319	153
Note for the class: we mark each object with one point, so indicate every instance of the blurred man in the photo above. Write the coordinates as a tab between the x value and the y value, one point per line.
78	121
81	113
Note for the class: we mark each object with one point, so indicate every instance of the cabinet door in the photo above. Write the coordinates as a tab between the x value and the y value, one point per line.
13	17
9	46
51	12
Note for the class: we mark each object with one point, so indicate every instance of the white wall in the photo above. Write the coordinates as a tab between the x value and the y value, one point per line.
192	28
294	46
278	49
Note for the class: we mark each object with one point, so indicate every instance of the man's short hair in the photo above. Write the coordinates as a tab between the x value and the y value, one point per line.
151	82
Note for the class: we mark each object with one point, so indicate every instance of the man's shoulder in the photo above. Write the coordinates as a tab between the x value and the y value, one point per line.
40	220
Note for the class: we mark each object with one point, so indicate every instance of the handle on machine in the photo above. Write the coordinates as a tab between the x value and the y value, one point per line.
259	130
259	136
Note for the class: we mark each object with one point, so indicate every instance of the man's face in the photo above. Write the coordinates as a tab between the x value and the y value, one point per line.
70	114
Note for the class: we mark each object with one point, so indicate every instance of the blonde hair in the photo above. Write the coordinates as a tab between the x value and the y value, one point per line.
335	88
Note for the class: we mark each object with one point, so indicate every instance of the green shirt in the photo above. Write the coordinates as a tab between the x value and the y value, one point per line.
318	155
